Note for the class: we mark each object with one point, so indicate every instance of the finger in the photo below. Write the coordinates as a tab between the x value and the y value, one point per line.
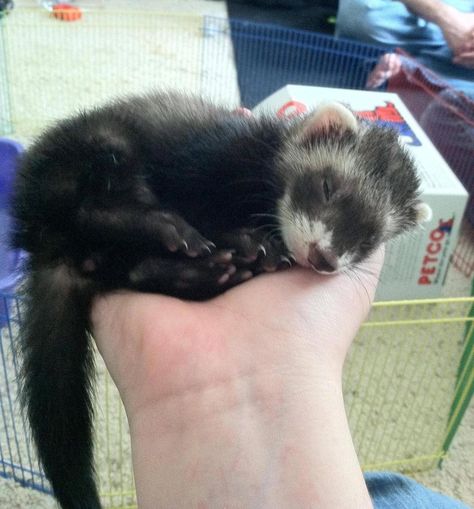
243	112
465	47
388	65
376	79
465	55
465	59
393	63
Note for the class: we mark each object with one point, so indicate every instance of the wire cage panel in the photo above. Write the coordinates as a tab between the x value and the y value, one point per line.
404	386
18	459
112	444
52	69
5	114
269	57
440	109
402	378
130	51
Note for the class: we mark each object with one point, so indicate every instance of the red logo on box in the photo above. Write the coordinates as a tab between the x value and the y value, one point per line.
434	252
388	115
292	109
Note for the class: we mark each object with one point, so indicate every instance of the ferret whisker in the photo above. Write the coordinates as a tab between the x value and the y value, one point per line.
373	280
352	277
265	226
290	218
271	216
361	283
272	235
365	270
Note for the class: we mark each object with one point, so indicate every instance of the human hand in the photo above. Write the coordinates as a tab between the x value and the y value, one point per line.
388	66
458	30
237	401
465	55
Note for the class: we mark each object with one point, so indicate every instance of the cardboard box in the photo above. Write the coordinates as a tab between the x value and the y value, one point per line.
415	264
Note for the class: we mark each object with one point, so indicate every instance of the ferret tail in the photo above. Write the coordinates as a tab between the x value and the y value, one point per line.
56	381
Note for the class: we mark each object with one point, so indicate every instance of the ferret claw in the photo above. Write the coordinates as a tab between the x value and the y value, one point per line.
177	235
261	249
285	261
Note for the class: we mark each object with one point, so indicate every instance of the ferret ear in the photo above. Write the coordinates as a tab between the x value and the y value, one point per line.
328	115
423	212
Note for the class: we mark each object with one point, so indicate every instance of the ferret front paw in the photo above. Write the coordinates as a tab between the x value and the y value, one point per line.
177	235
258	249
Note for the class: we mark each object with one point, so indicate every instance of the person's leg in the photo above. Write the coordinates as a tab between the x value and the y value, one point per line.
394	491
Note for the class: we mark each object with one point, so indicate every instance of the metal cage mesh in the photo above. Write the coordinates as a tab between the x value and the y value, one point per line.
409	374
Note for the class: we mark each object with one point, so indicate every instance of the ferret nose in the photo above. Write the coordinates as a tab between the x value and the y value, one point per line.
318	260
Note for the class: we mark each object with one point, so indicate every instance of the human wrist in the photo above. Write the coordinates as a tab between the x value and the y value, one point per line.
445	16
434	11
263	440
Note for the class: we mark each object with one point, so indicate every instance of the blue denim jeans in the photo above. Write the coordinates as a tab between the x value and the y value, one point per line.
389	23
394	491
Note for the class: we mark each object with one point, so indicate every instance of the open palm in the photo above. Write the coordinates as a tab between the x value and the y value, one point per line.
228	374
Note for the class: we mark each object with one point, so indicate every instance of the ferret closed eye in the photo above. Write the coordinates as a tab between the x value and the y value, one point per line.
170	194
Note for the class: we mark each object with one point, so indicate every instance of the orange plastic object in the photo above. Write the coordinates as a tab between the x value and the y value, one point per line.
66	12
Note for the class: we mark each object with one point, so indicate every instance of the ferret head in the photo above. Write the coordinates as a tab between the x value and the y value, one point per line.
348	188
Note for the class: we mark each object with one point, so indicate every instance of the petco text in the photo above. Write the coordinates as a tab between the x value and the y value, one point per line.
434	251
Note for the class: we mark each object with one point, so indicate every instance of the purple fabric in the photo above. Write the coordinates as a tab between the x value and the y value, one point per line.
10	260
